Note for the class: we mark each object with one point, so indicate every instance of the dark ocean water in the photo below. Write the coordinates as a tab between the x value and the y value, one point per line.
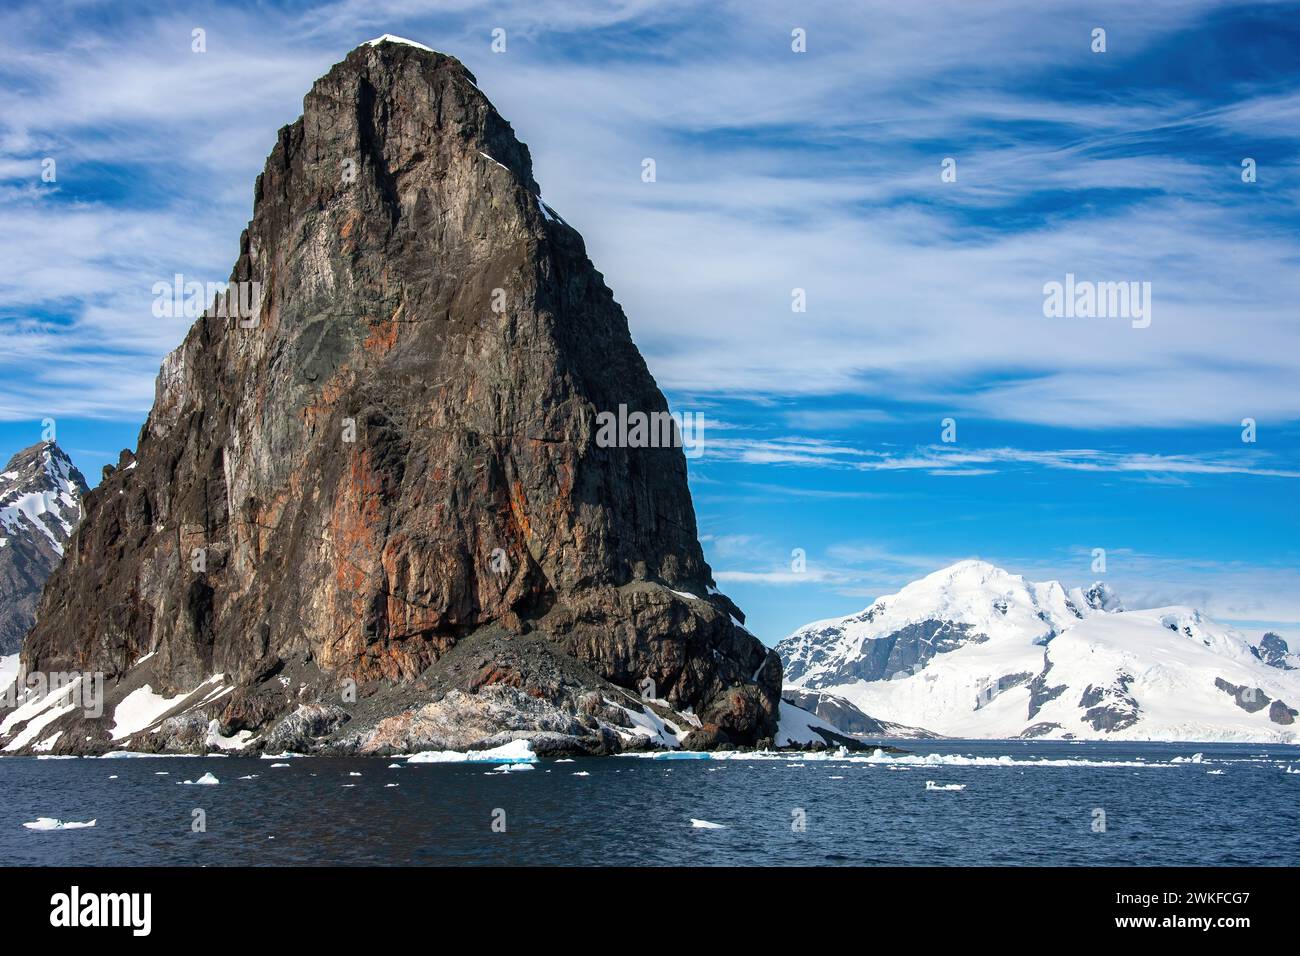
632	811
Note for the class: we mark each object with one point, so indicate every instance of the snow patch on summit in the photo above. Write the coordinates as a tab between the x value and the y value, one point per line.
392	38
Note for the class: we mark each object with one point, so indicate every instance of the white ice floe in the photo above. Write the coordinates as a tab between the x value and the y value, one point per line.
706	825
50	823
274	765
931	785
1216	773
207	780
878	757
517	751
581	773
512	767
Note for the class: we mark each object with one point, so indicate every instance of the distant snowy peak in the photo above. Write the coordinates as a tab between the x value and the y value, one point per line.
1099	597
970	602
40	505
973	651
40	493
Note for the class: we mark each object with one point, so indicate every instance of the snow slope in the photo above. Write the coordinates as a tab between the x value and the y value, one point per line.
973	651
797	727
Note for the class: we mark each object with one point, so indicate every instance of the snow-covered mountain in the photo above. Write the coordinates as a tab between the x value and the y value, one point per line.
40	505
975	651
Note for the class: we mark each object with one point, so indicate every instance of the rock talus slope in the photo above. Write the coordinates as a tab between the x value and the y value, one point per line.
378	505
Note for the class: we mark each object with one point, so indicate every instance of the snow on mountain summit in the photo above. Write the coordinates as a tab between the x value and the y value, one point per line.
40	505
970	602
40	491
975	651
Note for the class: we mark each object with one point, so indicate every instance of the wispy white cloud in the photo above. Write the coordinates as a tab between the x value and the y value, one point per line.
776	171
951	459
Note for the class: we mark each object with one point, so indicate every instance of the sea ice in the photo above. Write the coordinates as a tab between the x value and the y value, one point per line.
50	823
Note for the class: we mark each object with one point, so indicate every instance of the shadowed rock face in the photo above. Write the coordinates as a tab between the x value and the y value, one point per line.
905	651
382	464
1274	652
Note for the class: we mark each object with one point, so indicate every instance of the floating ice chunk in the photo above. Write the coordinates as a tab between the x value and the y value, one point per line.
706	825
353	773
512	767
387	785
50	823
207	780
517	751
931	785
565	760
581	773
274	765
1216	773
251	776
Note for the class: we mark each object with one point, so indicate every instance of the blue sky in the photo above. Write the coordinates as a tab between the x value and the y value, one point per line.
775	170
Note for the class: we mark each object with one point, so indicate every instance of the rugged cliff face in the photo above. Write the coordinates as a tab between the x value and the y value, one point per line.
40	504
389	475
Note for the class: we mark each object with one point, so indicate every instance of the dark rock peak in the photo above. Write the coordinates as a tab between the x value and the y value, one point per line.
41	467
1274	651
396	453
